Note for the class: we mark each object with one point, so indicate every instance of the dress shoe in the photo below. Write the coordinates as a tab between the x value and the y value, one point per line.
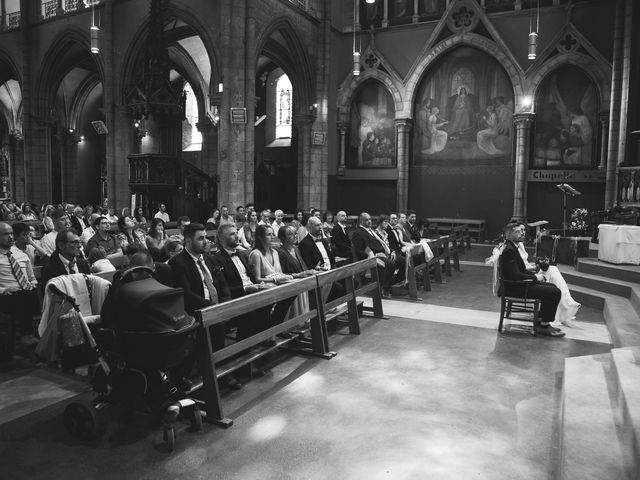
386	294
550	331
229	382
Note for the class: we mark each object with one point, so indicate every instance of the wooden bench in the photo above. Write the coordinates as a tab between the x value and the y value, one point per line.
443	225
210	362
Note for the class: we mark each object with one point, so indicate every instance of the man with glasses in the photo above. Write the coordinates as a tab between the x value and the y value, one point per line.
103	237
66	260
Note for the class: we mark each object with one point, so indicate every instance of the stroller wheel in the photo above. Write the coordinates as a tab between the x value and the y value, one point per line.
196	420
82	420
170	438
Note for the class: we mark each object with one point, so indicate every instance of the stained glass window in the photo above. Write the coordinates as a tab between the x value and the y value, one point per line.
284	107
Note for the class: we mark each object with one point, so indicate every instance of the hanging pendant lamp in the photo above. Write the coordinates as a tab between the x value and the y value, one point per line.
533	35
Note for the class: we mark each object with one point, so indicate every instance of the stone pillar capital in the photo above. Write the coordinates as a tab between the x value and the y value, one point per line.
603	117
303	120
403	124
523	120
343	127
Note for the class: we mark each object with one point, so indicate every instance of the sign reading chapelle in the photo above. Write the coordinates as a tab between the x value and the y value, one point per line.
592	176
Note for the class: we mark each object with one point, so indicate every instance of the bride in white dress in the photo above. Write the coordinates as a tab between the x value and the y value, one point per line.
568	307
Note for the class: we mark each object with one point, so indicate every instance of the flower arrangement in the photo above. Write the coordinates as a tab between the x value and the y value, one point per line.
579	219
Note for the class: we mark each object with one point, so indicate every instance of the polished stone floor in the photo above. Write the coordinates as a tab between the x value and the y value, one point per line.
432	393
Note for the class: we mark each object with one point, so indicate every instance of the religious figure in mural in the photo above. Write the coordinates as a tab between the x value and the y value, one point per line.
438	137
486	137
566	110
372	128
477	127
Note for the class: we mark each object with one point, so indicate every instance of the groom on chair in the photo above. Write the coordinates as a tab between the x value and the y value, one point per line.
513	268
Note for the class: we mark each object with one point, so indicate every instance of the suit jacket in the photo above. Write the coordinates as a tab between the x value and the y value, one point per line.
413	232
187	277
394	243
341	242
513	268
311	253
77	225
230	272
54	267
361	239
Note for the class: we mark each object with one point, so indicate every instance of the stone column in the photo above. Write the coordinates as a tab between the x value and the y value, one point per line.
625	84
385	15
342	161
523	123
604	139
3	15
233	164
416	16
308	173
403	131
616	95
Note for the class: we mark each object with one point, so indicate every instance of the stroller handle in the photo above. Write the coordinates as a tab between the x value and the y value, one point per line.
59	293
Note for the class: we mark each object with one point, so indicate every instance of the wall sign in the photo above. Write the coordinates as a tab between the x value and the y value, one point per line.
238	115
591	176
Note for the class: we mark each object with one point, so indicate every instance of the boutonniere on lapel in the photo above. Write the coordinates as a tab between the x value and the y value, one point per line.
217	270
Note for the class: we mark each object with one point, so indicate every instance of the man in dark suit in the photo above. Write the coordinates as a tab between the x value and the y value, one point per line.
199	276
316	253
365	241
412	227
66	259
513	268
340	240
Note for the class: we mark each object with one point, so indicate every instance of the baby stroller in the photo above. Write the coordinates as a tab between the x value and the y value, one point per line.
134	363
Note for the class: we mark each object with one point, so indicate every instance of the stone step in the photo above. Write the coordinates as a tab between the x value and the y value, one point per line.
622	321
588	297
596	282
626	362
626	273
590	448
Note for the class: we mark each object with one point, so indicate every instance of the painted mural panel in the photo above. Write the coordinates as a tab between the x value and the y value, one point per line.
463	112
373	140
566	116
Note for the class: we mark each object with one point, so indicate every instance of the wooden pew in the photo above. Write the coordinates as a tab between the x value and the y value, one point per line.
462	237
209	362
444	225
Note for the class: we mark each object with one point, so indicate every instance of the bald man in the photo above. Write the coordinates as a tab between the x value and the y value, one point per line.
366	243
340	240
18	296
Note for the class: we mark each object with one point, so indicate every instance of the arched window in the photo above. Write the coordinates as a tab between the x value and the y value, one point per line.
191	137
284	107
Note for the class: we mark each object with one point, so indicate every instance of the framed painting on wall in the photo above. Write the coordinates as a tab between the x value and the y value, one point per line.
372	134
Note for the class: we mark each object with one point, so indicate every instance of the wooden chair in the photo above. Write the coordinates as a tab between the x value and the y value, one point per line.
519	308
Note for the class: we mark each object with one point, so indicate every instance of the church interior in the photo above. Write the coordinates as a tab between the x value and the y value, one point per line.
468	113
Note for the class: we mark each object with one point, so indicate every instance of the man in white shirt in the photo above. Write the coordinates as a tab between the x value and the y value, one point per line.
18	295
60	222
265	217
277	223
162	213
225	217
89	232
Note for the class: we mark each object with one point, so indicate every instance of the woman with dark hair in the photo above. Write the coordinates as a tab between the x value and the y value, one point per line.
264	260
27	213
381	228
156	238
139	216
327	223
214	221
126	235
299	222
247	233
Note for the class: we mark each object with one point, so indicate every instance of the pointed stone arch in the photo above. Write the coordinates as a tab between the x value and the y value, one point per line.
351	85
472	40
179	11
58	62
294	61
13	71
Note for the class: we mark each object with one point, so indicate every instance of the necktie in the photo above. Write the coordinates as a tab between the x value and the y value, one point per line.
213	293
18	273
72	266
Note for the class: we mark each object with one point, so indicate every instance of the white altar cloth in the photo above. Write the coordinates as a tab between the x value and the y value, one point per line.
619	244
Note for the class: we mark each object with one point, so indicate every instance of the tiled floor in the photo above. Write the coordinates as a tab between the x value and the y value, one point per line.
432	393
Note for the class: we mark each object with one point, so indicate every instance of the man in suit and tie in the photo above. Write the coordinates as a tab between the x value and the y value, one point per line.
66	259
366	243
196	273
340	240
77	222
513	268
316	253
